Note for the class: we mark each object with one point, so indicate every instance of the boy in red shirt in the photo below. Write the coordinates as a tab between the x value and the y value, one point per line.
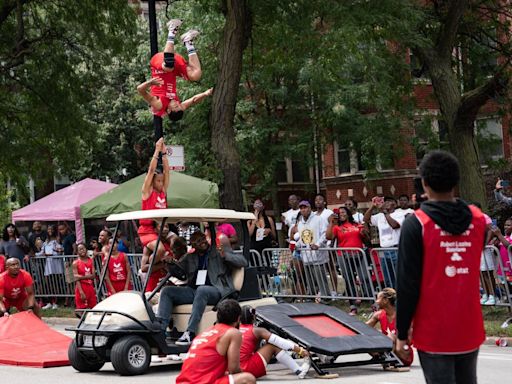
17	289
84	274
214	356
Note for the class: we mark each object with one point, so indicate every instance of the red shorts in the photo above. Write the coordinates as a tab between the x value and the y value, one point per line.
255	365
118	286
147	238
16	303
228	379
165	104
90	297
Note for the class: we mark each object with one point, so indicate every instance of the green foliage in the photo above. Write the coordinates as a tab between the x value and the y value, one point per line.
53	54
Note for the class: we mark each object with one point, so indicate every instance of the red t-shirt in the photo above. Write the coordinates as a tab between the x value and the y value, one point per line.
2	263
117	268
156	200
249	342
13	288
348	235
203	364
168	88
84	268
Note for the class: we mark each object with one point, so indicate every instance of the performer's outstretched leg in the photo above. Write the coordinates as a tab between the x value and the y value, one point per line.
194	65
173	26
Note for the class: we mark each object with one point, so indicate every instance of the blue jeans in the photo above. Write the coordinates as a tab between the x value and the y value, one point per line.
388	263
199	298
449	369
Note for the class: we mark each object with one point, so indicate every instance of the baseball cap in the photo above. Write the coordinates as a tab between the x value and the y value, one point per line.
304	203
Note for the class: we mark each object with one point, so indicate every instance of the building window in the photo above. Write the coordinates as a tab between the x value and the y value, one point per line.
490	139
293	171
343	160
348	159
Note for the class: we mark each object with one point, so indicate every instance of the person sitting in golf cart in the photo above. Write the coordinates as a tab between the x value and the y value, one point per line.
209	279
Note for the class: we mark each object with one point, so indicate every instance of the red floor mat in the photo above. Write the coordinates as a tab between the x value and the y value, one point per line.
27	340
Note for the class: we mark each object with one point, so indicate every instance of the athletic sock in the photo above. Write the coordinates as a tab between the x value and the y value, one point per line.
191	50
284	358
171	36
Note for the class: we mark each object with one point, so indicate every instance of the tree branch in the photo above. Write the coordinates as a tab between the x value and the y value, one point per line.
8	7
471	101
448	33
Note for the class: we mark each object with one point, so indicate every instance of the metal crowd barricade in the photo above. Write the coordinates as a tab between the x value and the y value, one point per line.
327	273
384	262
53	275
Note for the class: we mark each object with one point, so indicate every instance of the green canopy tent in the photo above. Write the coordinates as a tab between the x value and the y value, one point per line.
184	192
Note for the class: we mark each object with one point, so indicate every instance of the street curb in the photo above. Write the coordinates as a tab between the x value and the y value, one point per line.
70	321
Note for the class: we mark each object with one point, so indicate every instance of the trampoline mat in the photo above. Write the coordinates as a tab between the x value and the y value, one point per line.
323	329
27	340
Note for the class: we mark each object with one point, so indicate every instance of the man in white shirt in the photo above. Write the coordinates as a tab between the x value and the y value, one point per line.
309	232
388	223
289	218
351	204
321	210
404	207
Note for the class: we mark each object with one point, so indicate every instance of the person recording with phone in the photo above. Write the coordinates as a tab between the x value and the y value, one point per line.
498	193
388	223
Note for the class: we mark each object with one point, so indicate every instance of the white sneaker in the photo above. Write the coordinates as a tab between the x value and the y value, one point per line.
173	25
174	357
490	301
47	306
484	298
156	359
185	339
55	306
189	36
304	369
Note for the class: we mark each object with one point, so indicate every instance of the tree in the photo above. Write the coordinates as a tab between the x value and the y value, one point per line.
460	28
235	38
52	58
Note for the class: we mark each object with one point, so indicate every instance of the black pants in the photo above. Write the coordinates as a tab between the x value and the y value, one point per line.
449	369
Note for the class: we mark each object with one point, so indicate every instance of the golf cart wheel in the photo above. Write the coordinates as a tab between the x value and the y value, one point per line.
130	355
80	362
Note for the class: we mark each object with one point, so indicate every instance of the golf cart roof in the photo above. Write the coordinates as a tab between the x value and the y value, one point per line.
174	215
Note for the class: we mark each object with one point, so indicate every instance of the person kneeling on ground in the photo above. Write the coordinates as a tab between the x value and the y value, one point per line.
386	316
254	360
217	351
209	278
17	289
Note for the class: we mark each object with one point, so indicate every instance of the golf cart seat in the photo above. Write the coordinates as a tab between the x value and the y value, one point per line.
181	313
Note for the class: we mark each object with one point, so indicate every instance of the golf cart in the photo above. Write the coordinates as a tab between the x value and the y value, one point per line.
123	329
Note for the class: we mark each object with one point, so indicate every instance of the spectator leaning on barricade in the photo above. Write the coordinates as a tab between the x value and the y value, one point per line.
351	204
262	230
36	234
388	223
348	234
309	233
53	267
13	244
17	289
289	218
438	277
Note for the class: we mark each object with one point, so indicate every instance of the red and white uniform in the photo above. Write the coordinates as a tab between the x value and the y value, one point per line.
85	268
13	288
452	263
118	273
147	231
387	328
250	360
167	91
203	364
156	276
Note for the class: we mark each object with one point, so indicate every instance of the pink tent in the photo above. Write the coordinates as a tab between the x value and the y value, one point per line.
64	204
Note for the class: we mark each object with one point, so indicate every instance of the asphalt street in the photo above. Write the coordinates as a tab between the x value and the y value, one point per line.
494	366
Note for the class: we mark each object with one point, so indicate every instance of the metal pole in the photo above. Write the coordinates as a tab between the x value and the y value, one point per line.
153	41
